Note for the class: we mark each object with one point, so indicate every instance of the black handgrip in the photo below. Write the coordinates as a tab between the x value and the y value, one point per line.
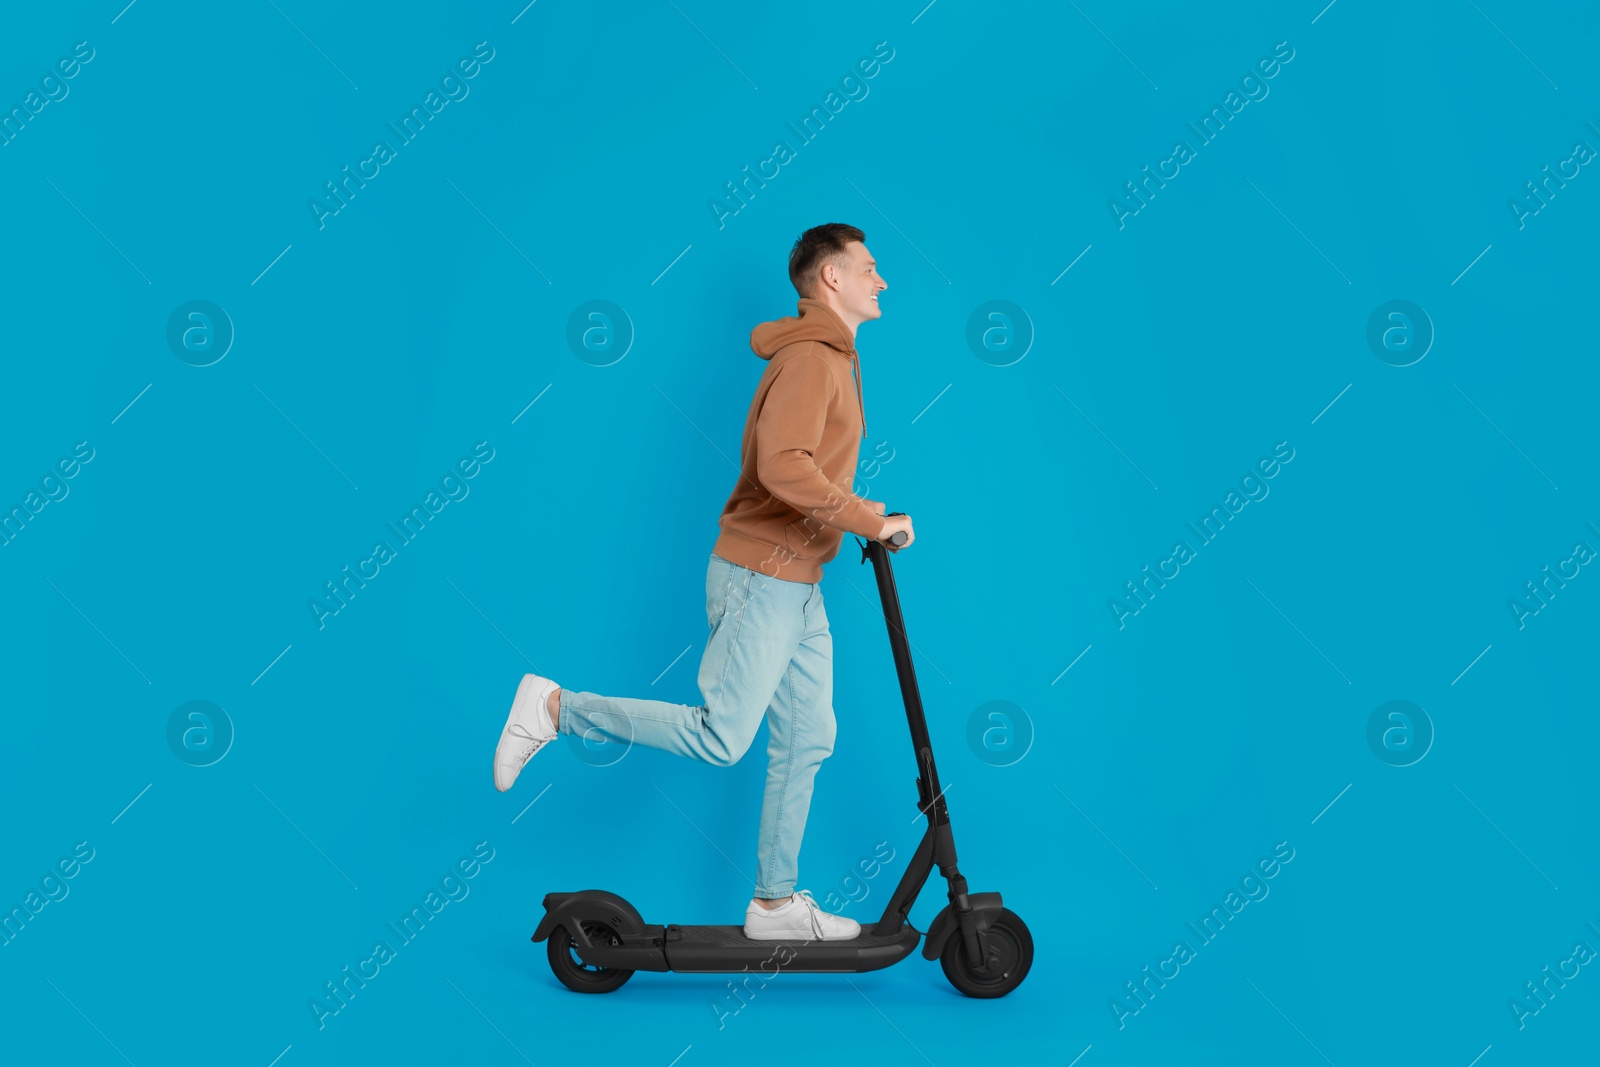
898	538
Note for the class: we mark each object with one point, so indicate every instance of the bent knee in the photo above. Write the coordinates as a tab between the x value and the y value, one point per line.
725	753
727	748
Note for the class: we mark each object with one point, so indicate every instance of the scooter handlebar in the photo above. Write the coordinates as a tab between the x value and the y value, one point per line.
897	538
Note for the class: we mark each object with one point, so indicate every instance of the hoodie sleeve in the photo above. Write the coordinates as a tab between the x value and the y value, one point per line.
788	431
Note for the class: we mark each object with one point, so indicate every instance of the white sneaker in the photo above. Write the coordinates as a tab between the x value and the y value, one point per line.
527	729
800	918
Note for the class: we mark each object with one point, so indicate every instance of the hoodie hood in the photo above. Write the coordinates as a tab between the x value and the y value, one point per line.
816	322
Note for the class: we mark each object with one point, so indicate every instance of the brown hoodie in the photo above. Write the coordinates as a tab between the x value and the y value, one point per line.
793	502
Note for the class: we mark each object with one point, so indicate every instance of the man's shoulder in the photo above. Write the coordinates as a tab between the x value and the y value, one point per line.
810	354
804	364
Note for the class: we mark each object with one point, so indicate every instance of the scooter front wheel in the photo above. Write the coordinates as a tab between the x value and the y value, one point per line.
573	972
1010	957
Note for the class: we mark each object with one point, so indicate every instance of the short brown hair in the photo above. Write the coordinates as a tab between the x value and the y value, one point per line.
817	245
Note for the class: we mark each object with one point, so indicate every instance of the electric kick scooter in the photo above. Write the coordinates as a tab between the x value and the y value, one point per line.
597	940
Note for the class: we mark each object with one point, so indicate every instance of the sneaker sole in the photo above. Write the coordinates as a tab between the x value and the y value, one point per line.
528	690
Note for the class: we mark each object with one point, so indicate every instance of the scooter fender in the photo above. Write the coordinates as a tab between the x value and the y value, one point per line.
565	909
948	923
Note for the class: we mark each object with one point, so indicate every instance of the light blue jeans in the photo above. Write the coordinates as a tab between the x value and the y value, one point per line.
769	654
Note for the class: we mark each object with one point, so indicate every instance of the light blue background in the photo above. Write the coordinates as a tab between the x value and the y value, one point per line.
1176	752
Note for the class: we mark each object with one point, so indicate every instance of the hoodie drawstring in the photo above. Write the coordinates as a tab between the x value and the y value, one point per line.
855	365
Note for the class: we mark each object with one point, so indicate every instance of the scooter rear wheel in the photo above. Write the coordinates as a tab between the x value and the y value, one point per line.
1010	957
573	972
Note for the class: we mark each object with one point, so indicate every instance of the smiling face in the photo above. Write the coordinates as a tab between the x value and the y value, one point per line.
851	287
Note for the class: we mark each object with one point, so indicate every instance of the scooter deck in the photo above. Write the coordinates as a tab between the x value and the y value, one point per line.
726	948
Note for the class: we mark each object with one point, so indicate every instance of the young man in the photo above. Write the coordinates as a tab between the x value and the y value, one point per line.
770	653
